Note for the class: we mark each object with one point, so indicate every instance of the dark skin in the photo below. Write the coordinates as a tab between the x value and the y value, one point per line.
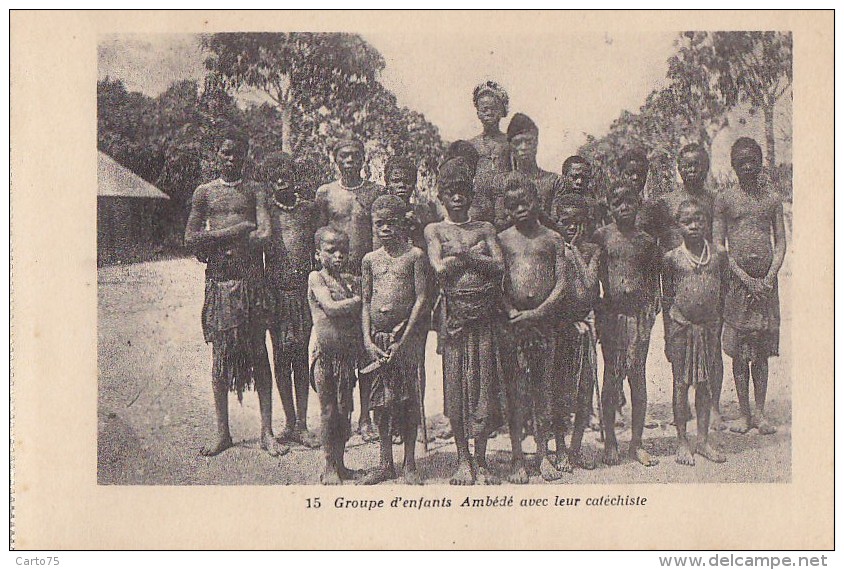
493	149
523	149
464	254
635	174
750	221
394	288
534	286
630	262
289	254
229	223
697	296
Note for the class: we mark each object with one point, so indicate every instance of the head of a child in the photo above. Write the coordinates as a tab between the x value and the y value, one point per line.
349	155
523	135
332	249
746	159
491	102
572	215
633	167
466	151
576	174
454	188
231	153
521	199
400	175
693	165
625	200
389	219
278	172
692	220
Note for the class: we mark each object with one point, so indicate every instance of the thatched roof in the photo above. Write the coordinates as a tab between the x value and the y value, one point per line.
116	180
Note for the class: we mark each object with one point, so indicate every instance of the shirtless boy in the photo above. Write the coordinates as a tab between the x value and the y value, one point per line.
334	299
289	256
578	340
491	102
401	175
692	275
749	219
395	294
468	262
345	205
629	278
227	223
633	169
534	284
577	179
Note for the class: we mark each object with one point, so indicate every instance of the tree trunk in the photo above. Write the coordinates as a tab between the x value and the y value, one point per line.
286	128
770	152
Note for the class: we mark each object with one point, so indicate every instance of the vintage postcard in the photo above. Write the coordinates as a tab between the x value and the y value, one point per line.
433	279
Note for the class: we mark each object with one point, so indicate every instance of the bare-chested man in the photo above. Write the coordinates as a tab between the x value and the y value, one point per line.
468	262
534	285
394	285
491	102
289	257
629	273
345	205
692	276
228	222
749	219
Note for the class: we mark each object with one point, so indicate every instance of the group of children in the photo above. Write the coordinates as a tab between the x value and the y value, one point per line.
521	273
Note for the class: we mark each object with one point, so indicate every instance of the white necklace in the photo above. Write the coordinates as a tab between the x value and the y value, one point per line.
358	187
233	183
453	223
704	255
285	207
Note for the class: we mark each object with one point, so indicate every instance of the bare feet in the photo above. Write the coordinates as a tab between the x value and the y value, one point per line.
741	425
716	422
412	477
580	459
611	454
271	446
763	425
711	452
639	454
463	475
216	447
685	455
330	477
548	470
307	438
288	434
378	475
367	432
486	476
347	474
519	475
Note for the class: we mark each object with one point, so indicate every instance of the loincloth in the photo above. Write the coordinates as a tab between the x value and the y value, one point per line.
692	346
579	358
290	322
234	322
333	377
625	339
751	326
394	384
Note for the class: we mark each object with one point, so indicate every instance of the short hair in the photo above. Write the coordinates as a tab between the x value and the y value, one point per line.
693	148
467	151
624	189
238	137
519	182
636	154
347	141
494	89
323	234
572	160
572	200
392	204
688	204
455	173
744	143
277	161
403	164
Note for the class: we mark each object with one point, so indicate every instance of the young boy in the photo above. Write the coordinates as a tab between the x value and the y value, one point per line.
534	284
400	175
633	169
748	219
629	279
289	256
577	334
227	223
692	277
345	205
491	102
577	179
468	262
334	299
395	293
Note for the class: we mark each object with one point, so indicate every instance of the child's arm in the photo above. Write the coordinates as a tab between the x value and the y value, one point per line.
371	348
719	236
443	266
420	287
197	237
332	308
262	233
668	287
778	226
491	264
321	207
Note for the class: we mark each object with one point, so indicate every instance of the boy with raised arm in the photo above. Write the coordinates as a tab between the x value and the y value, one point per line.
227	223
395	294
749	219
534	284
469	265
692	277
629	278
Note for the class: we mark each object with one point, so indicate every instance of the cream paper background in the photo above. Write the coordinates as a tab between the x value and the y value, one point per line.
57	502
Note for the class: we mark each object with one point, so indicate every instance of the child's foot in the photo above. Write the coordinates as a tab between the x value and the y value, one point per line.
330	477
486	476
611	454
271	446
378	475
639	454
412	477
216	447
563	463
580	459
519	475
716	422
685	455
463	475
711	452
307	438
761	423
548	470
288	434
741	425
367	432
347	474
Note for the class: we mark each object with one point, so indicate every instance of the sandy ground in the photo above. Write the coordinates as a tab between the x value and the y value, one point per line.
155	406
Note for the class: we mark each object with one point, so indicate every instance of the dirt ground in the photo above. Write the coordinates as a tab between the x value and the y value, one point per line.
155	407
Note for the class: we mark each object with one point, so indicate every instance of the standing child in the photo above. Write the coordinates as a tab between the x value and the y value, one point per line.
491	102
629	279
335	310
467	259
394	287
749	219
401	176
289	257
534	284
692	276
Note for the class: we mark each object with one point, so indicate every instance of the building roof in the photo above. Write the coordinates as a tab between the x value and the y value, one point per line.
116	180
